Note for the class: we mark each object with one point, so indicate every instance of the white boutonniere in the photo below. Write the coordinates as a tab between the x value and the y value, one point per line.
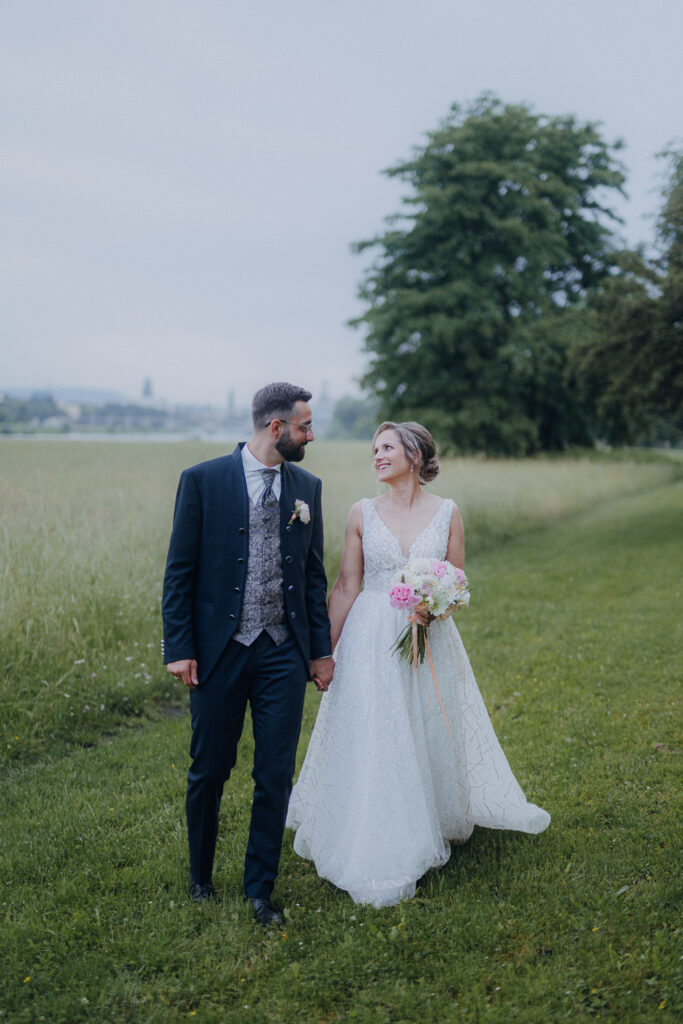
301	511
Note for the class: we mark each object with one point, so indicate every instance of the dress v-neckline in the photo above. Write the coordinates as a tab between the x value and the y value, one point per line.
416	539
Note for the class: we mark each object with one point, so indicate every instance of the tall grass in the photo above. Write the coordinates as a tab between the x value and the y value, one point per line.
499	498
83	534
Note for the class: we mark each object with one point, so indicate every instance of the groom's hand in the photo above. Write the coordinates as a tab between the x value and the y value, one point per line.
185	670
322	670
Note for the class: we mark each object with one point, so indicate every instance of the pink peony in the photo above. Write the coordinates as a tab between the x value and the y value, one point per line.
439	569
402	595
460	575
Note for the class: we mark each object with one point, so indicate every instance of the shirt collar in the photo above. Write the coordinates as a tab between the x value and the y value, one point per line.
253	465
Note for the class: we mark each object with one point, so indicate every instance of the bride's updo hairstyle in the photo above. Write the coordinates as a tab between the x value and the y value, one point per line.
419	446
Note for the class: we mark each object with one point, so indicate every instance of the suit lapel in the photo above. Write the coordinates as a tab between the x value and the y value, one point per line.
286	500
241	499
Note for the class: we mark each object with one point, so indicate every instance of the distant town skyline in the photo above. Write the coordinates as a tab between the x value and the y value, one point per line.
88	413
182	183
100	396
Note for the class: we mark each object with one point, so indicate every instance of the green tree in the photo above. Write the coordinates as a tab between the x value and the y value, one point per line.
353	418
472	302
40	406
630	363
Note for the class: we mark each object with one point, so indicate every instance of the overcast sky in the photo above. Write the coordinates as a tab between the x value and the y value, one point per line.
182	179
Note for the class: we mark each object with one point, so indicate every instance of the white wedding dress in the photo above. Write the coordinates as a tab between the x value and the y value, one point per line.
386	783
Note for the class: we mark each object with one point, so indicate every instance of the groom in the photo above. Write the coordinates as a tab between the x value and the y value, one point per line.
245	619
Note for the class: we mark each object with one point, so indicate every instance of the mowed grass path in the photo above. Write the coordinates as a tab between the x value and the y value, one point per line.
573	636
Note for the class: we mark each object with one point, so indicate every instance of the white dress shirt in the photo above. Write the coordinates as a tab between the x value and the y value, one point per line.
255	483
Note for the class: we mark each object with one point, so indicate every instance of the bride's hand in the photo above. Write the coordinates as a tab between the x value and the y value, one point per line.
321	672
424	616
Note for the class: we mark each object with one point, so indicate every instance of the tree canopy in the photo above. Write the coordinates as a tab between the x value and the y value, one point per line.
629	363
470	305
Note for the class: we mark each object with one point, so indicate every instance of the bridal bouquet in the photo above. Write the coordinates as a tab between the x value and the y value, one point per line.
425	585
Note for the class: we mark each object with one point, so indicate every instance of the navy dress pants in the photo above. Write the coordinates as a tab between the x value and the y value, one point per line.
273	680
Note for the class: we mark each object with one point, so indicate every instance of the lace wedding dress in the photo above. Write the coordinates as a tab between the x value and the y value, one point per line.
385	785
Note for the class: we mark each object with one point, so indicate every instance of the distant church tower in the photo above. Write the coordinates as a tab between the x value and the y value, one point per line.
147	390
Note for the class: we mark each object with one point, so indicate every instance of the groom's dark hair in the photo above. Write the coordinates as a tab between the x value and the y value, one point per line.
275	401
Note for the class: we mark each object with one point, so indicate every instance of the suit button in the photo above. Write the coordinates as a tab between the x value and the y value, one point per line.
290	587
289	559
292	615
232	616
241	529
240	561
288	529
237	590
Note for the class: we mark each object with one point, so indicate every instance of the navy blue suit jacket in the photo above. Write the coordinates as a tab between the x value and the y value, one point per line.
207	562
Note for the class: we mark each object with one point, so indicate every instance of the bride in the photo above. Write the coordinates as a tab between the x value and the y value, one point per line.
386	782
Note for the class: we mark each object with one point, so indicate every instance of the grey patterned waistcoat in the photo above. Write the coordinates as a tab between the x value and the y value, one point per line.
263	606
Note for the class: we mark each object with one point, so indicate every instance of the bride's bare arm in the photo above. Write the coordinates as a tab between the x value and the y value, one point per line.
455	553
348	584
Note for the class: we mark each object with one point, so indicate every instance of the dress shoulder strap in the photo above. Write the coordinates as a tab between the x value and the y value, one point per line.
366	504
442	520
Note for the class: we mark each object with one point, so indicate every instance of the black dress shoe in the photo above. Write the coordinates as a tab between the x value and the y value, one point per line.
266	913
202	893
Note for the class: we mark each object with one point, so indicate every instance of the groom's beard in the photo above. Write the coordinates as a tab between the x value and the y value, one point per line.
291	451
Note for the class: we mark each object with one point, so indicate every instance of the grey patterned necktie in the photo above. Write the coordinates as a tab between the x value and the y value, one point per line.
268	499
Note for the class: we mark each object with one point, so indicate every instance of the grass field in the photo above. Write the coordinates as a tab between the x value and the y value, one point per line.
83	536
573	637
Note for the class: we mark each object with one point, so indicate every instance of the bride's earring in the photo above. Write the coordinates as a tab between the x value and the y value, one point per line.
412	467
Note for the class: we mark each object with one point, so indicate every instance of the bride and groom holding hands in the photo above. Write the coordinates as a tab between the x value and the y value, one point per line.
392	775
